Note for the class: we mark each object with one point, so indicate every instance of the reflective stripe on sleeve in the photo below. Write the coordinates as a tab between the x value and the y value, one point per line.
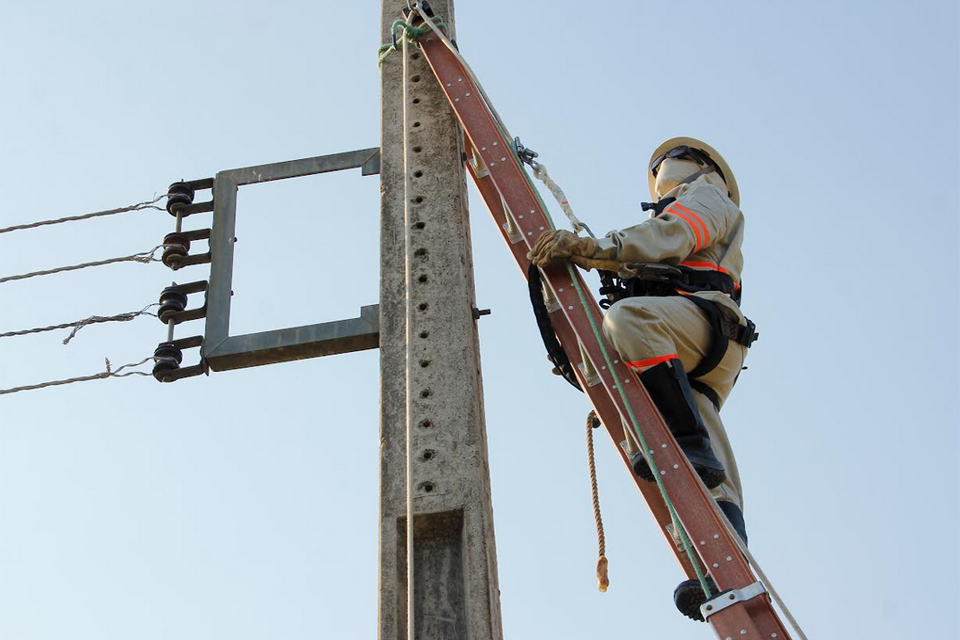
706	234
693	225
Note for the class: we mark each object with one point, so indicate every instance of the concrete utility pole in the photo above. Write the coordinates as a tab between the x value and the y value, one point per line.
455	584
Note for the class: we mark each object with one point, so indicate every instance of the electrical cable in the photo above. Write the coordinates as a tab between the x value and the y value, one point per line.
108	373
143	256
79	324
148	204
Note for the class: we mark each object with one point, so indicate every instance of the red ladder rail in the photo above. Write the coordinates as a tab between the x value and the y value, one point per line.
598	396
750	618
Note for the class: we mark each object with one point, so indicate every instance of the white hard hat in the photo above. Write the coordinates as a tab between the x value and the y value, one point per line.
663	151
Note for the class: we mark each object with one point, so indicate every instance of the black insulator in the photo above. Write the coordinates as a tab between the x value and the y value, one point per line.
175	248
179	195
168	350
172	301
163	368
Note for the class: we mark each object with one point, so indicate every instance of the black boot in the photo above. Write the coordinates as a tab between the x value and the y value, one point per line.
689	596
670	391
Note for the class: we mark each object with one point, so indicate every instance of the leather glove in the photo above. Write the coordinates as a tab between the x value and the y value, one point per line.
601	264
560	244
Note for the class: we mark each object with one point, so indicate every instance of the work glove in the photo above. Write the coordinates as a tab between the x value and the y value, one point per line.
562	244
559	244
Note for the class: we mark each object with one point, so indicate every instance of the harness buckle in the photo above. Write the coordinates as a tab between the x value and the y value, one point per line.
654	271
747	335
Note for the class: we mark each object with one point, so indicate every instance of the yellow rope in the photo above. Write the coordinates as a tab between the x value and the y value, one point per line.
603	581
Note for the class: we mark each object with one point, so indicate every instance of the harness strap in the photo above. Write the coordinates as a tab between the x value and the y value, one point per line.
555	351
718	341
706	390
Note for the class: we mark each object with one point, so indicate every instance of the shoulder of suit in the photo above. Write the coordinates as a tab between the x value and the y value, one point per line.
706	195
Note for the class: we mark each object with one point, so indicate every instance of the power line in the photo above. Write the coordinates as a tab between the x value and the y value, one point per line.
149	204
109	373
143	256
80	324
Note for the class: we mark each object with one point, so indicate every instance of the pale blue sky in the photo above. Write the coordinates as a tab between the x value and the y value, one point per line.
244	505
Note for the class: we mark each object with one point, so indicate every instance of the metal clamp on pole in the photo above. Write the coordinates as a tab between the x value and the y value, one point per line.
731	597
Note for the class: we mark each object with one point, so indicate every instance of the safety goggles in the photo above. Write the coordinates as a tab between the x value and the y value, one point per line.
682	152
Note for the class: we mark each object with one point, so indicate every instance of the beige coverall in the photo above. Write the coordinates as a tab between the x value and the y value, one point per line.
702	230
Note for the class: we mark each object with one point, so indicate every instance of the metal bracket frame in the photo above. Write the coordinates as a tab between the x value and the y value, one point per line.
731	597
221	351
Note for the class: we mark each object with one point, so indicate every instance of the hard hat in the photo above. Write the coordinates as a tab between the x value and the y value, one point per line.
715	158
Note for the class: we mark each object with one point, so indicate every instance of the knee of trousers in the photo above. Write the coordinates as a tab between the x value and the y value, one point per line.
732	489
635	331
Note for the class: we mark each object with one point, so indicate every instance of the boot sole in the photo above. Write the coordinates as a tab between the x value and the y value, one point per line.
689	596
711	477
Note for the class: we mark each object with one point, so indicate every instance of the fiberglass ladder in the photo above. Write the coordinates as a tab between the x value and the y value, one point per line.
743	609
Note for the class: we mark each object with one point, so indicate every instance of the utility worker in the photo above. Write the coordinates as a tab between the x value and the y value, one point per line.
674	284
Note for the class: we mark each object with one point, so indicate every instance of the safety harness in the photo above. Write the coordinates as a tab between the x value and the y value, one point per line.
651	279
665	280
654	279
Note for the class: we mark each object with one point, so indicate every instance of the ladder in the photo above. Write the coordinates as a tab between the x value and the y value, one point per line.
742	610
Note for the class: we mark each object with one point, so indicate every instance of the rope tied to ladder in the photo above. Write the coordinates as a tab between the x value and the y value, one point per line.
540	173
603	580
410	32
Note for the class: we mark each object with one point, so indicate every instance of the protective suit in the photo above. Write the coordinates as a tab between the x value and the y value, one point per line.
660	331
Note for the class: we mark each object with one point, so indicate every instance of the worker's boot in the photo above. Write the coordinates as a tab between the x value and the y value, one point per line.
670	391
689	596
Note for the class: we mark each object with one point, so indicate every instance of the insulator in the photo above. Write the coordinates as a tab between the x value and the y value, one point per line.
163	367
172	301
168	350
179	195
175	248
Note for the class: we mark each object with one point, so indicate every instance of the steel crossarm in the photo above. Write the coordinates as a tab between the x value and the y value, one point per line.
519	214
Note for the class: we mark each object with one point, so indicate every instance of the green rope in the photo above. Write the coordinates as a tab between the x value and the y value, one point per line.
412	33
684	538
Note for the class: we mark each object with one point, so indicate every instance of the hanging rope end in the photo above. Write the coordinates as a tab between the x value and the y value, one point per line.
603	580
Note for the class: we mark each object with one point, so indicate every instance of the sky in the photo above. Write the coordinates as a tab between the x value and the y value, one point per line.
244	504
